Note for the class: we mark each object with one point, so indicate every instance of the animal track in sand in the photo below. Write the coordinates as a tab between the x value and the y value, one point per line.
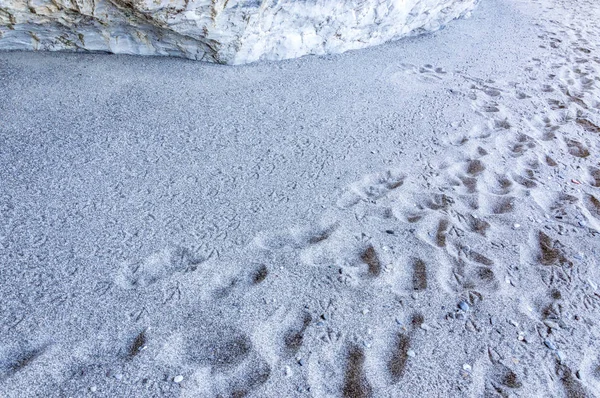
397	363
253	275
218	346
419	274
592	204
500	205
157	266
501	380
356	384
369	257
371	187
295	237
14	361
498	184
441	233
594	176
294	336
577	149
551	251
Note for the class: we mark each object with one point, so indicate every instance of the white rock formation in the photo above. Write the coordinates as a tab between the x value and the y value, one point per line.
224	31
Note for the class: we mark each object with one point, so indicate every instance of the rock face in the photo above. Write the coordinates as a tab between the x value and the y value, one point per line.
223	31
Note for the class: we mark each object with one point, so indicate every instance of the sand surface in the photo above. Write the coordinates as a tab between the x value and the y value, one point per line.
419	219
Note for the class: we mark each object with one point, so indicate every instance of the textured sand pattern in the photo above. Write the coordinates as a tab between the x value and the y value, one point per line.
421	220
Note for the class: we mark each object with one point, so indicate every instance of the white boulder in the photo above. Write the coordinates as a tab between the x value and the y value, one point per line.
223	31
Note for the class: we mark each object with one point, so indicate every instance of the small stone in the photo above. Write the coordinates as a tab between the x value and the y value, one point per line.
178	379
119	376
463	305
560	356
550	344
425	327
514	323
93	388
466	367
516	226
411	353
551	324
288	371
365	311
301	362
389	231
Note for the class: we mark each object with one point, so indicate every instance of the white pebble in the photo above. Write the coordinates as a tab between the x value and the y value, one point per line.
425	326
467	367
411	353
288	371
516	226
365	311
93	388
178	379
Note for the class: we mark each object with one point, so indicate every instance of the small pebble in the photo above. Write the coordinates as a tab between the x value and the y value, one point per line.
178	379
466	367
516	226
365	311
411	353
389	231
425	327
288	371
119	376
550	344
560	355
463	305
551	324
93	388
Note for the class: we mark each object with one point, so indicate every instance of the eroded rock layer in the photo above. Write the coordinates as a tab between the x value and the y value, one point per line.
223	31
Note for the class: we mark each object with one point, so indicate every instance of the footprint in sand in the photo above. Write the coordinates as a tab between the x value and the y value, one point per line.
157	266
594	176
14	361
371	187
577	149
227	356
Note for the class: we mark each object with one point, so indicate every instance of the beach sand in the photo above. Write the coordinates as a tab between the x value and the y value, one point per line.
418	219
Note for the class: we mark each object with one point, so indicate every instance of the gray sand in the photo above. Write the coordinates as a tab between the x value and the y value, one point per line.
416	219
